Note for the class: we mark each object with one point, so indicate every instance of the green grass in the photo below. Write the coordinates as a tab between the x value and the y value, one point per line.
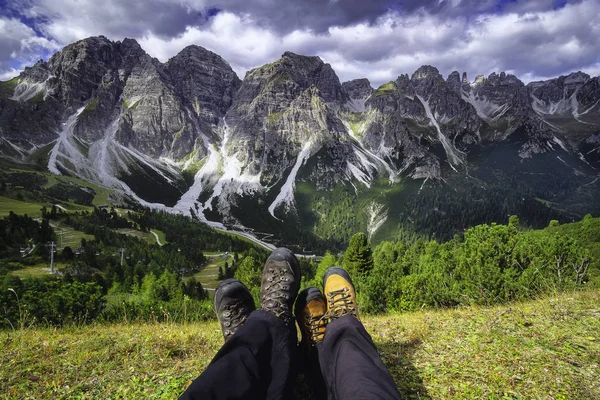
32	209
161	236
545	349
131	106
208	275
37	271
102	193
67	236
384	89
92	104
190	172
273	118
146	236
7	88
20	207
38	98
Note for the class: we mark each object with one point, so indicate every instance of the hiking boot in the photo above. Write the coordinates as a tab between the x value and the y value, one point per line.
310	311
340	294
280	283
233	304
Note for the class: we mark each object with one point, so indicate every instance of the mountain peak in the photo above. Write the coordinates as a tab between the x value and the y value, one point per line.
426	71
503	79
294	56
576	77
453	81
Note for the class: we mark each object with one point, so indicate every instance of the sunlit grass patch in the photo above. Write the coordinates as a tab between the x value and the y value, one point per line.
544	349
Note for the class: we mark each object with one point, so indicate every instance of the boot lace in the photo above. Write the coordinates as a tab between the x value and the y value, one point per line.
234	316
340	303
276	295
315	325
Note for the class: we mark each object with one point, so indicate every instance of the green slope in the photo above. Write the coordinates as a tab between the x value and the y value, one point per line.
545	349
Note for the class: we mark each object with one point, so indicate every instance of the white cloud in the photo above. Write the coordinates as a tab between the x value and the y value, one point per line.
19	47
530	45
531	39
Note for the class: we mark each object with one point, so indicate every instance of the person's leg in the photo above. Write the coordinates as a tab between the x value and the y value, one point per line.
255	363
351	366
257	358
310	310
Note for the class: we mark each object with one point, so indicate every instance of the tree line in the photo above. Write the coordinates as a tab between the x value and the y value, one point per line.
117	277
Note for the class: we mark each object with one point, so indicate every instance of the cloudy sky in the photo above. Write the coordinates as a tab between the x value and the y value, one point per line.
377	39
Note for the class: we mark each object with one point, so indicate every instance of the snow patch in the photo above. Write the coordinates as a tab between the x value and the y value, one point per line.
286	194
454	155
15	147
566	105
27	90
422	185
234	178
361	151
486	109
66	148
357	105
378	214
358	174
189	200
560	143
563	161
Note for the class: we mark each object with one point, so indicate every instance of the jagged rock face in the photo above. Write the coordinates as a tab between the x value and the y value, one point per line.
78	69
358	91
492	96
120	82
426	111
358	88
454	83
279	108
115	110
205	83
122	116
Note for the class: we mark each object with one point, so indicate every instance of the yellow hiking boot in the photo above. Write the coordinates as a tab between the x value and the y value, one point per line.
310	311
340	294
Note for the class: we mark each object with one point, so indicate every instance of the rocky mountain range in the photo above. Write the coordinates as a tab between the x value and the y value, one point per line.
189	136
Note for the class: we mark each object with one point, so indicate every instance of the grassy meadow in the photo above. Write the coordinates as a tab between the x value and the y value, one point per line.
543	349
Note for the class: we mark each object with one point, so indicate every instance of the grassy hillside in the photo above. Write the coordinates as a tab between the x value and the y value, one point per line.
544	349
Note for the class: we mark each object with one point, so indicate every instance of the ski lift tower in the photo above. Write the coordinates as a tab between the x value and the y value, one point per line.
52	247
122	251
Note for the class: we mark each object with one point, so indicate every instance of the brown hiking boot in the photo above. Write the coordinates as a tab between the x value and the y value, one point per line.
233	304
280	283
310	311
340	294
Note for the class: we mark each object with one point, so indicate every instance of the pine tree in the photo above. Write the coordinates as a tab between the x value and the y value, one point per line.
358	258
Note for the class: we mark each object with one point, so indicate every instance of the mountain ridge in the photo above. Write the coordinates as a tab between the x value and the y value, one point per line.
189	136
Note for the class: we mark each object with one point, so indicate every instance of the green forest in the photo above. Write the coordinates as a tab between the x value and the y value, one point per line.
115	277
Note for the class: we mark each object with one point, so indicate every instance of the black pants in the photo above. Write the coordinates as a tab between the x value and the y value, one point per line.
259	362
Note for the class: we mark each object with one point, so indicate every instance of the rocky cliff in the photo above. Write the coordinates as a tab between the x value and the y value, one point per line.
188	136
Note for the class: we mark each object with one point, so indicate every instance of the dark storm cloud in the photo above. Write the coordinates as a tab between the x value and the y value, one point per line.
375	39
132	18
319	15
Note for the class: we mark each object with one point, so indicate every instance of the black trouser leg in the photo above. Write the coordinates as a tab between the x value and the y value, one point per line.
351	366
255	363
